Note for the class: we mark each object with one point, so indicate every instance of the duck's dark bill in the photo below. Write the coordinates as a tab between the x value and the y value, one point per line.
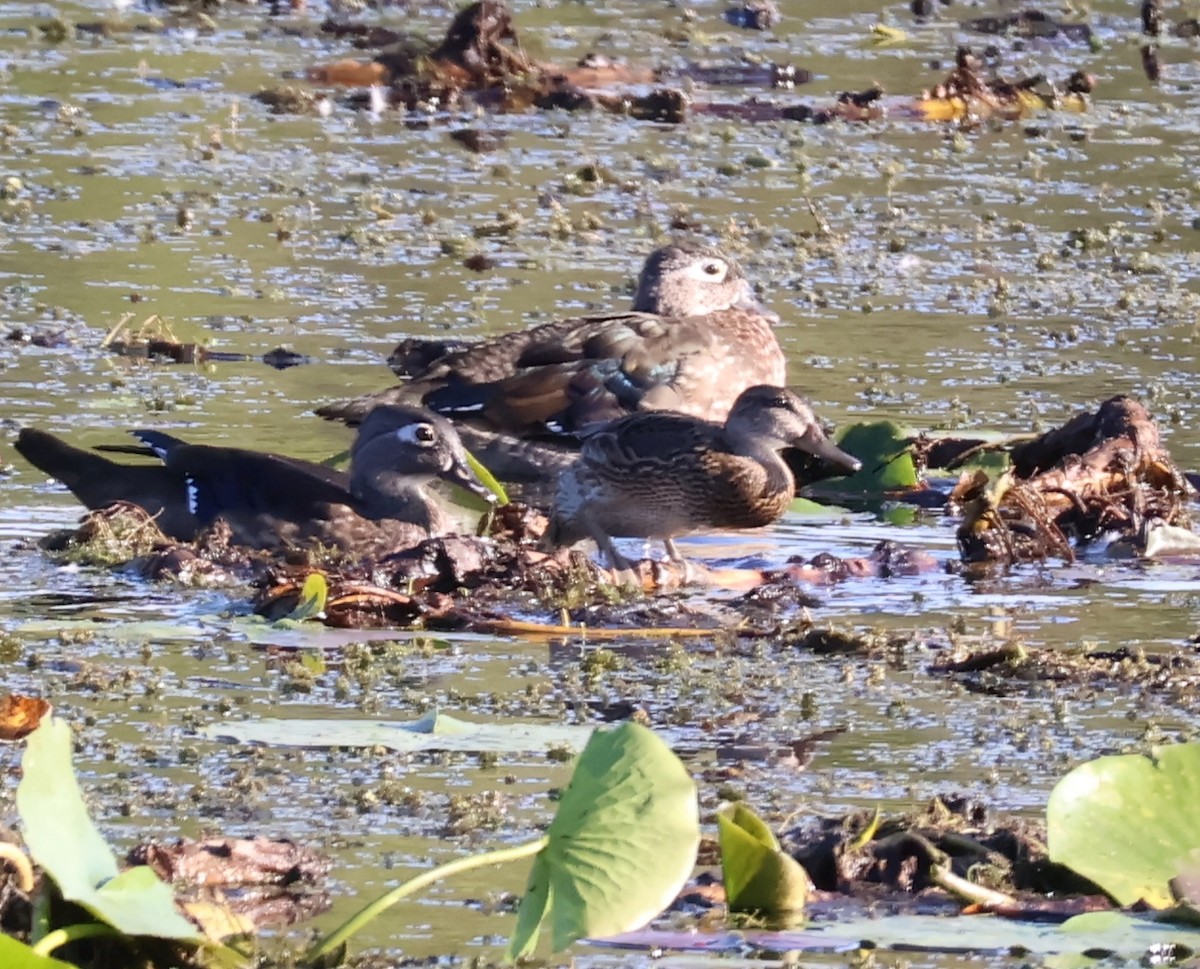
815	443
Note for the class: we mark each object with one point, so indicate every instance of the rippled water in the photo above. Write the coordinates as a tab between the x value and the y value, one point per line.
940	287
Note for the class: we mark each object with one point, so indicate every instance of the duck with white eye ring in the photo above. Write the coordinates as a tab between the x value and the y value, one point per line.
696	337
381	505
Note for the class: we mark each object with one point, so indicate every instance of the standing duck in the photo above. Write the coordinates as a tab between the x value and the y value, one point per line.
696	337
659	475
270	501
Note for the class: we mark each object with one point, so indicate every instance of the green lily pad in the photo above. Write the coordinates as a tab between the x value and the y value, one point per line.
17	955
759	877
1129	823
807	508
1129	937
434	731
254	629
158	629
620	847
991	463
62	839
487	479
313	596
882	447
1125	935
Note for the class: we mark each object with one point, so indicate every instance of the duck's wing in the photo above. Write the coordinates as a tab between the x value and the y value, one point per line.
460	375
650	438
232	482
601	370
154	444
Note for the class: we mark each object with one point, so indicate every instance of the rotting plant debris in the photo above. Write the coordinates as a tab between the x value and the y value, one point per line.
868	858
1104	473
274	882
481	56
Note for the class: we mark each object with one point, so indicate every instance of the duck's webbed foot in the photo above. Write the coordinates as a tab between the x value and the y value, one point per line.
624	574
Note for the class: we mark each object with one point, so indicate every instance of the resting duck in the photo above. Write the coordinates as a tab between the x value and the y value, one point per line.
696	338
659	475
270	501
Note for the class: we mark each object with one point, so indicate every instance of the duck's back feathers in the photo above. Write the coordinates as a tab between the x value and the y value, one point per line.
662	474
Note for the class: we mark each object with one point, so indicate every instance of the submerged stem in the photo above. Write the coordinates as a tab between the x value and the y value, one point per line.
356	922
72	933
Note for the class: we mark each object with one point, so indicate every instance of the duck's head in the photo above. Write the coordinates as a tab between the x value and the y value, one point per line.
400	448
687	279
779	418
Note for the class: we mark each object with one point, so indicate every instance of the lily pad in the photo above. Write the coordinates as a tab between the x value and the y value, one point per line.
1129	823
882	447
313	596
1125	935
62	839
255	630
807	508
17	955
759	877
620	847
434	731
157	629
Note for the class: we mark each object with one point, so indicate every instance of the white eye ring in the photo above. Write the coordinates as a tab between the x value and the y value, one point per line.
709	271
422	435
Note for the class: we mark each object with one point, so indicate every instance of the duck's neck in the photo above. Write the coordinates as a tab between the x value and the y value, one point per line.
386	494
766	453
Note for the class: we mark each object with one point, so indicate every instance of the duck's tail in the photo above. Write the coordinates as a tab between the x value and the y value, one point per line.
79	469
98	482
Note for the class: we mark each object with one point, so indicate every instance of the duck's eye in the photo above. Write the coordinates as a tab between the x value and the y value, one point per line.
422	434
712	268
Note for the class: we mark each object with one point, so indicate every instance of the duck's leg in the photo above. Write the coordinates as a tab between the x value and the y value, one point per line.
672	551
624	573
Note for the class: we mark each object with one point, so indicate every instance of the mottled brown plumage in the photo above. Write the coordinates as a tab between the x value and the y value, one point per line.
659	475
695	339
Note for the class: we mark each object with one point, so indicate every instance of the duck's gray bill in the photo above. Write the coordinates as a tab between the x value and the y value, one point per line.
460	473
816	443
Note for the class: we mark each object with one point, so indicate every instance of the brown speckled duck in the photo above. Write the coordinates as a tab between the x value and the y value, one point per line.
696	338
270	501
659	475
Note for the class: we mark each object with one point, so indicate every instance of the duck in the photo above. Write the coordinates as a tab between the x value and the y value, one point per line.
659	475
274	502
695	338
